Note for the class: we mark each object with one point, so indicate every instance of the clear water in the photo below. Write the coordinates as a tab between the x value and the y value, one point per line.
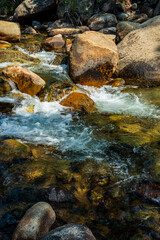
100	158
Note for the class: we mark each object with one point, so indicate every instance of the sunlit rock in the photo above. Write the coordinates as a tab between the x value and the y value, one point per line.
4	44
79	102
117	82
53	43
10	31
27	81
139	57
93	59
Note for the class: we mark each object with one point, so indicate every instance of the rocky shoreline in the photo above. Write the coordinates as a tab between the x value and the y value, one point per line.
103	42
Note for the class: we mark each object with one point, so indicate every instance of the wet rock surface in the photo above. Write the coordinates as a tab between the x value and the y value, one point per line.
13	150
27	81
79	102
35	223
70	232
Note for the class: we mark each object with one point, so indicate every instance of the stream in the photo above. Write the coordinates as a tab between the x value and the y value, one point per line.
106	164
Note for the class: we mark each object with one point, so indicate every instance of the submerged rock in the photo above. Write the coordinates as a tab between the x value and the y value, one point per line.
4	87
53	43
13	150
57	90
27	81
6	107
79	102
59	196
70	231
139	55
4	44
117	82
93	59
36	222
10	31
16	57
151	191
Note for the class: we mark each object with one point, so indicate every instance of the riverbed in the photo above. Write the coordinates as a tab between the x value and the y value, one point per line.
104	162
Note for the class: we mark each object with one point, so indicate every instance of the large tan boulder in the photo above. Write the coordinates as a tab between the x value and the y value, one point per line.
93	59
36	222
139	56
10	31
33	8
79	102
27	81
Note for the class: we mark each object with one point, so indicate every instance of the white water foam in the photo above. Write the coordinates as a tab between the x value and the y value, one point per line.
113	101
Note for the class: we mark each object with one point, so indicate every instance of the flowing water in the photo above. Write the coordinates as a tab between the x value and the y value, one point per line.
103	161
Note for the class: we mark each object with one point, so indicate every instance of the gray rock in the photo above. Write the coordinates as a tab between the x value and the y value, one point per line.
108	6
59	24
59	196
36	25
147	10
30	30
110	30
134	6
83	9
70	231
31	8
157	9
122	16
99	21
139	54
36	222
123	28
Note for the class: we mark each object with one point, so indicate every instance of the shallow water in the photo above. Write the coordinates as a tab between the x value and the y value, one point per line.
100	158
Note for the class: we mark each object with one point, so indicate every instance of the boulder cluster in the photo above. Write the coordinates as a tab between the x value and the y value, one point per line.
106	42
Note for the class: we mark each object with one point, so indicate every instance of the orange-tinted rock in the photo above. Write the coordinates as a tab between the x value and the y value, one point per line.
68	31
53	43
117	82
27	81
11	149
93	59
10	31
79	102
4	44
